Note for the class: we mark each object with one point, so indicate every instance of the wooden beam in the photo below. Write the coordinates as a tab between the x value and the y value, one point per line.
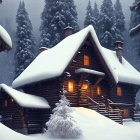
98	81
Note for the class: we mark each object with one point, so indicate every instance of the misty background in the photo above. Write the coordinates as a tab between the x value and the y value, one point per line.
8	11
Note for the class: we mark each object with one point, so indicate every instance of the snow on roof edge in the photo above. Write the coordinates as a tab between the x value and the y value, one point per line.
84	70
24	99
96	40
5	36
80	37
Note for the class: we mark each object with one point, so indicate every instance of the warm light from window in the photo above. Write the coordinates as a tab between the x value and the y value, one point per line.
84	86
98	90
86	60
125	112
12	100
119	91
5	103
70	86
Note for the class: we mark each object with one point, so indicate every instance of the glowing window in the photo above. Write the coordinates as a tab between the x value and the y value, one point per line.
86	60
125	112
84	86
70	86
119	91
98	90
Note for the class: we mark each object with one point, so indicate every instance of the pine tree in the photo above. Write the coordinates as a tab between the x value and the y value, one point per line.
119	21
96	18
89	16
106	23
61	123
55	17
0	1
134	21
24	53
119	16
44	28
71	15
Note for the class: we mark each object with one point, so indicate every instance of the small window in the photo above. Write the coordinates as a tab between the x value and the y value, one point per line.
125	112
119	91
98	90
5	103
70	86
86	60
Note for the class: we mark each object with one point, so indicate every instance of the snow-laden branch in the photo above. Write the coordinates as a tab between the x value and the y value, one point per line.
135	30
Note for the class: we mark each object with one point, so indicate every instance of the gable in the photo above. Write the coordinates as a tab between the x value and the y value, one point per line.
96	61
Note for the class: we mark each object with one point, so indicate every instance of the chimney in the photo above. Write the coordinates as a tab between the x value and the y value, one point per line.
41	49
68	30
119	48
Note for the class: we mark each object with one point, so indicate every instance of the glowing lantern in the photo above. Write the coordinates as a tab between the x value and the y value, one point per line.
84	86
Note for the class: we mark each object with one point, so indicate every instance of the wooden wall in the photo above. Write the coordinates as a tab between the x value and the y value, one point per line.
50	90
127	97
12	114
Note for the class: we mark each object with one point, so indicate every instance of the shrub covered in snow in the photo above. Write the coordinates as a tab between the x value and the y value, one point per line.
61	123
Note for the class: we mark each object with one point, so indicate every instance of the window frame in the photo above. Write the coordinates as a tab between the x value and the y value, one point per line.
119	91
86	60
98	89
125	112
71	87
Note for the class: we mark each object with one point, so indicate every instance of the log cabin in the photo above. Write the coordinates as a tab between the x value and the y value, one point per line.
22	112
93	76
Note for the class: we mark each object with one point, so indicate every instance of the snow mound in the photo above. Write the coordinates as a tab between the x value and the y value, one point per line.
93	125
97	127
8	134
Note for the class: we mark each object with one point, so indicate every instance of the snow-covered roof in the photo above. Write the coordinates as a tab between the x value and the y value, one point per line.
5	37
25	100
52	63
94	72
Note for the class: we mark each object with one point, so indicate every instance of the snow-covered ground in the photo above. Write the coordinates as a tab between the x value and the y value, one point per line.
93	125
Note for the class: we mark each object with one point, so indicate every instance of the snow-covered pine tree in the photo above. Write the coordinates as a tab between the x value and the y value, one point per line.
134	21
61	123
71	15
106	24
24	53
89	16
96	15
44	28
119	16
55	17
119	21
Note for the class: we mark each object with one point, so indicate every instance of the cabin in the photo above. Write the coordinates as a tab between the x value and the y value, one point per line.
93	76
5	40
22	112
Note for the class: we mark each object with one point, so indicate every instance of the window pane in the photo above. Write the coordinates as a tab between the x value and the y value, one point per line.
98	90
119	91
125	113
86	60
70	86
